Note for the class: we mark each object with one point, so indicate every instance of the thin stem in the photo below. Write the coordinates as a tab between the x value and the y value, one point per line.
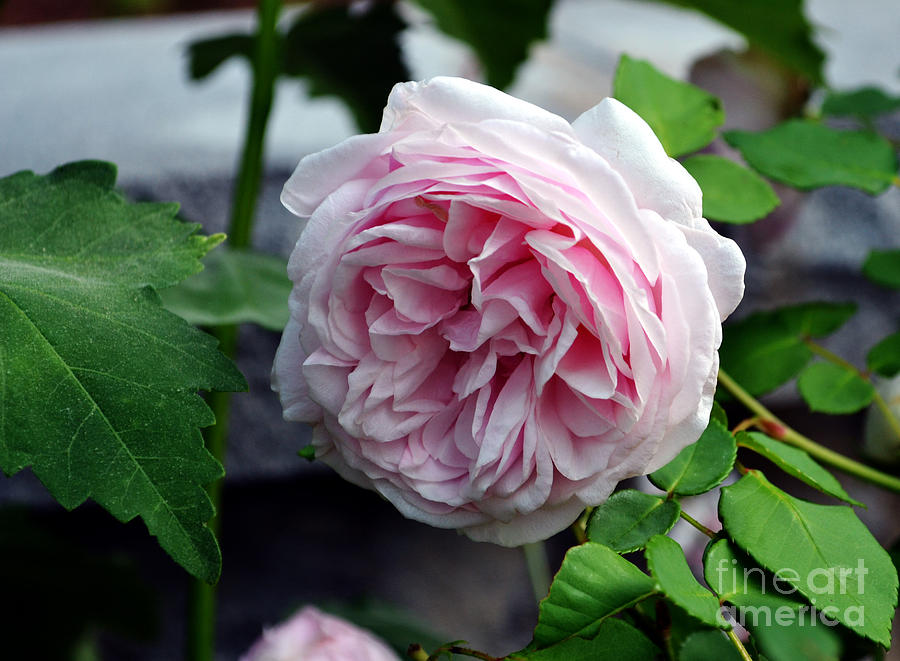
699	526
466	651
201	623
739	646
792	437
538	569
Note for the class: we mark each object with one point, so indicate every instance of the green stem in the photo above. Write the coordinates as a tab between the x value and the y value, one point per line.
201	624
739	646
783	432
877	399
538	569
699	526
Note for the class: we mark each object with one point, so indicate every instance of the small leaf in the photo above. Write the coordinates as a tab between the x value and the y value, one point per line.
866	103
615	639
235	287
99	389
667	564
593	583
718	414
816	318
884	357
795	462
731	192
500	31
683	116
824	551
353	55
835	389
708	646
883	268
308	452
207	55
700	466
629	518
806	155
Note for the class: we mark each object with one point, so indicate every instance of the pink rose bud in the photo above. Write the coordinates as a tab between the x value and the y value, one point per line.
311	635
498	315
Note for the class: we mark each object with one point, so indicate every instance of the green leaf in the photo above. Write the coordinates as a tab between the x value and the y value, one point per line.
615	639
708	646
683	116
700	466
629	518
836	389
99	388
866	102
307	452
806	154
777	26
766	349
206	55
884	357
718	414
593	583
234	287
500	31
783	626
795	462
667	564
731	192
883	268
352	55
824	551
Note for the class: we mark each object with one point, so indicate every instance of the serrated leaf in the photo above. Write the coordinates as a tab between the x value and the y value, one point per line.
99	388
708	646
777	26
795	462
629	518
884	357
831	558
700	466
354	55
684	117
830	388
866	102
883	268
806	154
207	55
593	583
500	32
234	287
731	192
767	349
615	639
782	624
669	567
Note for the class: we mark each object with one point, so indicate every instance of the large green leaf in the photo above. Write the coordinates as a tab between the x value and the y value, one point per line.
883	268
795	462
866	102
615	639
837	389
708	646
777	26
824	551
629	518
884	357
99	383
500	31
816	318
234	287
700	466
783	626
731	192
683	116
593	583
806	154
667	564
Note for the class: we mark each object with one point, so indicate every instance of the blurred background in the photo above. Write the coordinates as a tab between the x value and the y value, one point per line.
114	80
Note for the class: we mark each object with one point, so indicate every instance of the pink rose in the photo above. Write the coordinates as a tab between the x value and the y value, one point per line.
311	635
497	315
